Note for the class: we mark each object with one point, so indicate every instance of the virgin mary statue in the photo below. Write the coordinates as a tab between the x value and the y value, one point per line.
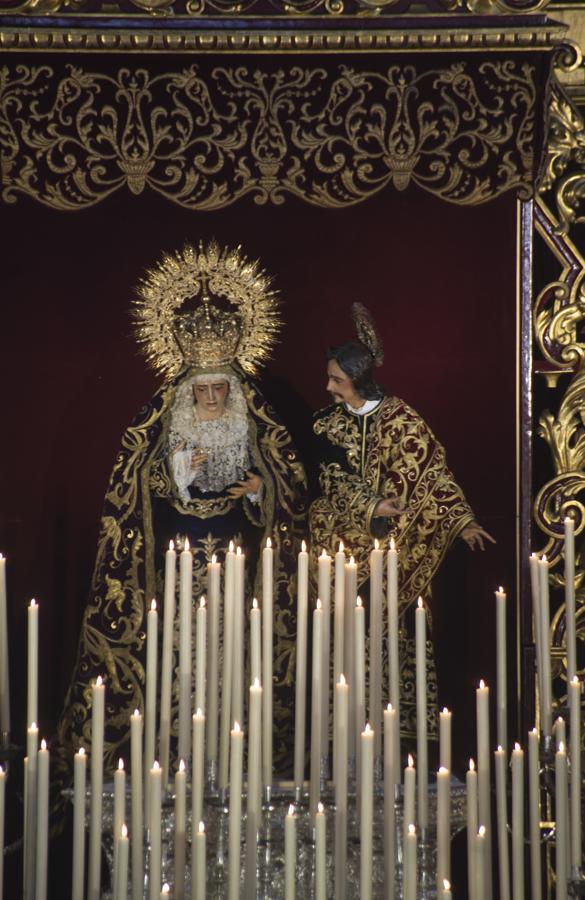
206	459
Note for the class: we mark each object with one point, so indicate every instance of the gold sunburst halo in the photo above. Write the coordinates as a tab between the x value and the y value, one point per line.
206	306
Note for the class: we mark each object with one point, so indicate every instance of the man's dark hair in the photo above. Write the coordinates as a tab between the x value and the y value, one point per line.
358	364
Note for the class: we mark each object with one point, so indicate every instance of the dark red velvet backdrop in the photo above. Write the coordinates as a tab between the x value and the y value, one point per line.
441	282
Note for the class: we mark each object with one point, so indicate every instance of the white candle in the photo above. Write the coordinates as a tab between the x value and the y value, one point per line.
2	820
422	764
324	594
534	815
316	709
446	893
301	669
155	829
97	774
78	862
4	668
408	816
213	595
483	775
537	625
255	643
376	629
267	660
340	748
226	680
518	822
320	854
185	658
165	891
393	652
366	812
32	714
502	676
544	629
560	732
30	810
349	647
180	830
443	826
238	649
561	820
201	658
42	823
198	767
290	854
575	750
390	767
199	878
339	613
502	822
472	815
481	890
119	804
570	597
410	864
445	738
358	692
121	868
137	820
254	786
167	667
150	697
235	811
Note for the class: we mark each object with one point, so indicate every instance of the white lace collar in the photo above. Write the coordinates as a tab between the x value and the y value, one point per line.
368	406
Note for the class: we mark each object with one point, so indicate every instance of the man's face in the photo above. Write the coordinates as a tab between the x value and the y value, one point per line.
340	386
210	398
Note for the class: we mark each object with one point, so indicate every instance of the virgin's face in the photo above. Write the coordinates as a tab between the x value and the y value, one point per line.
210	398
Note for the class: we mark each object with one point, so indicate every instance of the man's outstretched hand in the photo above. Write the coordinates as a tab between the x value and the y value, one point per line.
474	536
391	506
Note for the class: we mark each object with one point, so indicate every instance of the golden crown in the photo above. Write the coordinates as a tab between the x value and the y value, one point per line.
206	308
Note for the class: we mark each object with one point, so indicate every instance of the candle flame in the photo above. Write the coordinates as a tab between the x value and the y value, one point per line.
171	545
471	766
303	547
124	831
446	884
202	602
420	603
254	603
43	744
376	544
201	827
33	602
560	721
120	764
443	769
256	683
238	550
341	546
341	678
165	889
543	558
534	731
153	605
323	553
182	765
318	604
187	546
1	769
411	829
534	555
33	726
481	830
574	680
155	765
98	681
213	559
268	542
561	747
392	544
389	707
358	601
291	809
320	808
410	761
367	729
136	712
237	726
231	547
500	748
351	560
501	589
445	711
81	751
482	684
199	712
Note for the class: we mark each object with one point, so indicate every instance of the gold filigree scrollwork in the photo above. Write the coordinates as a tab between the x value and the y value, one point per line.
565	150
464	132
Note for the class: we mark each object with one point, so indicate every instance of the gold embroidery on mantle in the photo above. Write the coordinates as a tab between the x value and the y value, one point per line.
329	138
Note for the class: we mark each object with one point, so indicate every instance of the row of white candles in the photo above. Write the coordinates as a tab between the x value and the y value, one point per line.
345	651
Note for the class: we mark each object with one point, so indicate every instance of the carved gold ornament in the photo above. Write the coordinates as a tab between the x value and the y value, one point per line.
235	316
204	139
